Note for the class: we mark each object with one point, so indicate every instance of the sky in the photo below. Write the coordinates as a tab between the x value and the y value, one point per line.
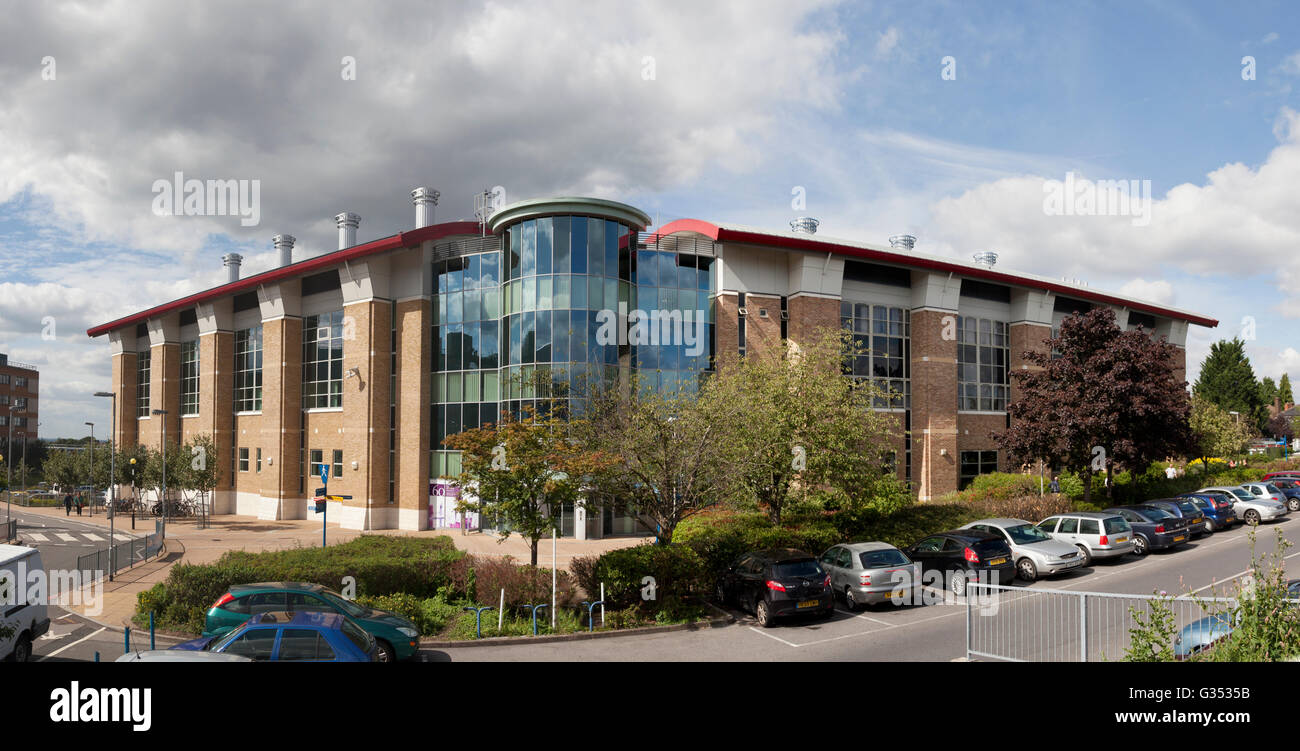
944	120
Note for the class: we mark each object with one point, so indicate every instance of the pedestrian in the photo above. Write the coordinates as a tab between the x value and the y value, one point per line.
67	505
1055	485
81	501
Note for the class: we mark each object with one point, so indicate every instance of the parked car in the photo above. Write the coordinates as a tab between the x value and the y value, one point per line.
1250	509
1095	534
1289	473
1290	490
1217	508
397	637
964	554
1153	528
24	612
1035	552
1186	509
777	583
176	655
1270	491
1202	634
867	573
293	637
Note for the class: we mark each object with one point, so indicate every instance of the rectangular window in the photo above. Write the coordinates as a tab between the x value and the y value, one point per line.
259	460
740	322
882	340
243	460
322	361
317	461
20	402
20	382
248	370
142	385
974	464
337	471
190	377
982	365
4	380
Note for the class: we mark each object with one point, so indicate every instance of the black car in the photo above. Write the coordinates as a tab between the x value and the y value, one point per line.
1153	528
776	583
963	554
1185	508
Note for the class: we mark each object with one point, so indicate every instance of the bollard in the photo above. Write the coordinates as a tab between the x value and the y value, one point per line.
591	606
151	631
96	655
126	644
478	620
535	609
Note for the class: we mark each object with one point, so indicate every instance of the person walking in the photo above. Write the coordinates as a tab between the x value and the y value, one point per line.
67	504
81	501
1055	486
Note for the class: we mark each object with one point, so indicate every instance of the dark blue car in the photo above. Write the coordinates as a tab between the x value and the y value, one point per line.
1187	509
293	637
1290	488
1217	509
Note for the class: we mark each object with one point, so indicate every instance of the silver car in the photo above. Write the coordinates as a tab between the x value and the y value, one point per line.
1250	508
1096	534
1270	491
866	573
1035	552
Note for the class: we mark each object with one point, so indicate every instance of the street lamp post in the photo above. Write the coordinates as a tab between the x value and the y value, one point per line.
9	466
112	483
91	472
163	414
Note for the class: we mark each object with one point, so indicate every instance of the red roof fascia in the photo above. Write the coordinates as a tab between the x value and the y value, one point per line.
401	240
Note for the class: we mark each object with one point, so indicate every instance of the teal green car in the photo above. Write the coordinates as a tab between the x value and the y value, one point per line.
396	637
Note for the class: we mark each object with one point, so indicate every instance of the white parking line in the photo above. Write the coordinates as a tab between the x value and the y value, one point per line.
761	632
69	646
38	537
1234	576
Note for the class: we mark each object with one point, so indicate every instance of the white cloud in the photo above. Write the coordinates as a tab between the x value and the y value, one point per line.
887	41
1159	291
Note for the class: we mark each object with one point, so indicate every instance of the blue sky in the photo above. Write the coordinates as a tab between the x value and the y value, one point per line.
748	100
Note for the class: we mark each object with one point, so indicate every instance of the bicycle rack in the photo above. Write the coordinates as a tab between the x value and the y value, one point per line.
535	608
591	619
478	620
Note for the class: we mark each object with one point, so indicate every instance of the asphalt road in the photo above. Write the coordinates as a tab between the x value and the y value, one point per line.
1029	624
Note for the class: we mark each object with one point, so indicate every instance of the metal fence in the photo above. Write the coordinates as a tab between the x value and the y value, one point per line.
1053	625
124	555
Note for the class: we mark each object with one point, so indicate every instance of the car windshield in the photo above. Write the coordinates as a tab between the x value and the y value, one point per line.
1188	507
1155	514
342	603
1242	494
1272	488
796	569
883	558
1024	534
218	643
1116	524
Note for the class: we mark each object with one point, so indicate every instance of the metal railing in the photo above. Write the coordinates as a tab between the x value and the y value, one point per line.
1017	624
121	556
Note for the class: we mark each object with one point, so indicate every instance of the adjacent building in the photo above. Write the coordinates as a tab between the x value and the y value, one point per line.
19	419
364	359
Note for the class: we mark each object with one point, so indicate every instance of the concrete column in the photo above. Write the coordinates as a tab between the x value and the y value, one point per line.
366	388
414	340
282	419
934	404
125	369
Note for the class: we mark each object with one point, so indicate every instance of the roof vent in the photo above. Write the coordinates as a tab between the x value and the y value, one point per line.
425	201
805	225
231	262
284	246
986	258
348	223
904	243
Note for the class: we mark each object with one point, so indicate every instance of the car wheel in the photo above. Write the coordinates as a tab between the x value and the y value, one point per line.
849	603
1293	504
1026	570
386	653
1209	527
1086	554
1139	545
762	614
23	649
1252	517
958	583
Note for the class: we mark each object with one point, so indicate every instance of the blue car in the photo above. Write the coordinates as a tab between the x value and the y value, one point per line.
293	637
1290	490
1217	509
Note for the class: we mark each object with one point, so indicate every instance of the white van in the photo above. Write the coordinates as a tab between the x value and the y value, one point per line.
21	622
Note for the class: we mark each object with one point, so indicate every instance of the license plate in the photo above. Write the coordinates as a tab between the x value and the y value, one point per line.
997	561
1198	520
809	604
1179	538
1121	539
890	595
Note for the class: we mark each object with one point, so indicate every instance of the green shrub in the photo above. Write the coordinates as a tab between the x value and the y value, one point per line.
678	571
523	584
431	615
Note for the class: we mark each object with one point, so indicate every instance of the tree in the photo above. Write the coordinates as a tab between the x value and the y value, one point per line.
1267	391
799	424
1281	426
1228	380
524	470
1284	391
667	467
1216	433
1111	396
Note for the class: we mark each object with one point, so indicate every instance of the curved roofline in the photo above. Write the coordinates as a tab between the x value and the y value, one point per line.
410	239
538	207
723	233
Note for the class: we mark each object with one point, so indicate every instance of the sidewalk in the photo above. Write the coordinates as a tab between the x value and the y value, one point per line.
189	544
